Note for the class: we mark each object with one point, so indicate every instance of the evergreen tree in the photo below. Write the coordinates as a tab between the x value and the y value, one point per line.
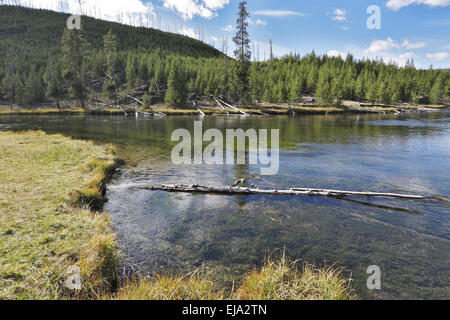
34	89
74	50
54	81
177	91
324	91
437	92
242	52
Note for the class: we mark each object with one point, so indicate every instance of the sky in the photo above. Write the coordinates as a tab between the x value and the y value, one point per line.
408	29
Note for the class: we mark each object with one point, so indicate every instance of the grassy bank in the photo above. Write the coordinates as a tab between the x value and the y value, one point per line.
49	187
44	226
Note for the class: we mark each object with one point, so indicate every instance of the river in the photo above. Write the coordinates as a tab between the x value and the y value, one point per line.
408	240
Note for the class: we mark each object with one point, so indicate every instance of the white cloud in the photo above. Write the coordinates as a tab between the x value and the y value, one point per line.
278	13
382	46
135	12
398	4
439	56
188	32
257	22
340	15
411	45
228	28
335	53
378	46
187	9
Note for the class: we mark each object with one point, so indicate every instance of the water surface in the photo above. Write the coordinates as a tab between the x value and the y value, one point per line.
408	240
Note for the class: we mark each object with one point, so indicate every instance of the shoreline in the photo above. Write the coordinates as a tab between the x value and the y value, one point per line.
268	109
53	220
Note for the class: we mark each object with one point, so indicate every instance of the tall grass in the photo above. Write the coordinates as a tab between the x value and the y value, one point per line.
275	280
282	280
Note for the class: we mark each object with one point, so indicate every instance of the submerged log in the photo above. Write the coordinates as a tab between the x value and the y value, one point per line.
289	192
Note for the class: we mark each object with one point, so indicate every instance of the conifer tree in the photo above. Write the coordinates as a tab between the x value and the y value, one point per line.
437	92
324	91
74	50
177	90
53	80
243	51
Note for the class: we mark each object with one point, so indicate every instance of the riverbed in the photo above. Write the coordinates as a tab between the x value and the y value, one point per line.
406	153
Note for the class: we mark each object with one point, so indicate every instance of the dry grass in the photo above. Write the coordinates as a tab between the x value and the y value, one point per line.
41	233
196	286
276	280
281	280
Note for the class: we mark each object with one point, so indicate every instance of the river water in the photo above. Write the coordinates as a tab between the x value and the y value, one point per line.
408	240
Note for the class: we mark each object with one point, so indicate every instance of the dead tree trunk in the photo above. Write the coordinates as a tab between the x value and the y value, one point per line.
220	105
288	192
234	108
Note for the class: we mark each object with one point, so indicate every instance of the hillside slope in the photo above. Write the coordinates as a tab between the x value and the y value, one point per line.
36	33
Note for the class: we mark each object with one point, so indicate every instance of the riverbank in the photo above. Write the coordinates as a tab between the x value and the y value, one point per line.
47	183
349	107
50	186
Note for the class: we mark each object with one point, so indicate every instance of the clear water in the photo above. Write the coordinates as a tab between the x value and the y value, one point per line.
408	240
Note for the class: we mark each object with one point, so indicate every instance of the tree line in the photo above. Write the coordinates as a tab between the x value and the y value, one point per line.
81	69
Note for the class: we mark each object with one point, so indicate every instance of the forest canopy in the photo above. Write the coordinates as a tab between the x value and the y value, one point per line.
38	64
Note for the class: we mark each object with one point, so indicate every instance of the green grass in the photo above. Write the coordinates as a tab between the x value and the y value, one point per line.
41	232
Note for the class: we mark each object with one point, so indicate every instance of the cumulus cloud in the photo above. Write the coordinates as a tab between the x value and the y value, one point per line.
135	12
411	45
278	13
388	44
398	4
439	56
188	32
382	46
187	9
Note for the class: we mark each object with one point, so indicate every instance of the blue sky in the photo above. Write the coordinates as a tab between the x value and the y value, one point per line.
416	29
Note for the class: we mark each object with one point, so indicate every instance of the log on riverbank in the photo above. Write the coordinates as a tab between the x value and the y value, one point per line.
288	192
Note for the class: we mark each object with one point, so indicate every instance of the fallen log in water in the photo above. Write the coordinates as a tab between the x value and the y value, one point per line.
289	192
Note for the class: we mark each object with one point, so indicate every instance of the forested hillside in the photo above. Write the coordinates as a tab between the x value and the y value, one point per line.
42	61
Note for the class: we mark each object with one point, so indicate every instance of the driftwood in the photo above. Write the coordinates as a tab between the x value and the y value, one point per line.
220	105
198	108
289	192
133	98
234	108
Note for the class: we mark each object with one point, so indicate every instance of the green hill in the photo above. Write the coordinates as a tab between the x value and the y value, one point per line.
35	34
